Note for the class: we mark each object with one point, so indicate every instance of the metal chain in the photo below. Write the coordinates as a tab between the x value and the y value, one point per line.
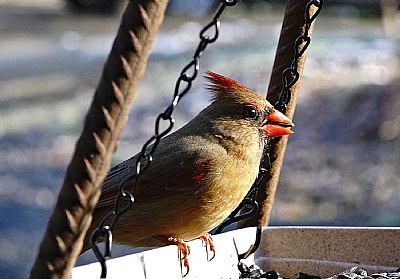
291	75
249	206
125	199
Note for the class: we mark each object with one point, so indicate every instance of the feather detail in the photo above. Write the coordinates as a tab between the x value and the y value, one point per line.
220	83
155	182
222	87
201	168
225	88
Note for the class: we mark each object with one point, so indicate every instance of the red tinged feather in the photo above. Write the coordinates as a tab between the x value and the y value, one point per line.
228	90
150	186
222	87
219	82
200	168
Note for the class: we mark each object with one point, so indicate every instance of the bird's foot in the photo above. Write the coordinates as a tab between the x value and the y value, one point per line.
183	252
209	244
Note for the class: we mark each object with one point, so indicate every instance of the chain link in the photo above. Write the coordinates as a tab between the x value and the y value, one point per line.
125	199
291	75
249	206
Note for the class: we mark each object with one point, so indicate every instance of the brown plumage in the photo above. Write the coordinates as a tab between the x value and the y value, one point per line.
200	173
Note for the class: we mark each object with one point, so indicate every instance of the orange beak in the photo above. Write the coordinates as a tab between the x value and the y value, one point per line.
277	124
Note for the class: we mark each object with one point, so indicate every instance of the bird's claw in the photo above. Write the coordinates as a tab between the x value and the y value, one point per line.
183	252
209	244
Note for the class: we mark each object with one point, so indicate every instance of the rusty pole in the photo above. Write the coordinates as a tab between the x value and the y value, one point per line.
105	119
292	27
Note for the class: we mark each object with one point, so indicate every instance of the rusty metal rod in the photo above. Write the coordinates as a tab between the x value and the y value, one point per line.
292	27
105	119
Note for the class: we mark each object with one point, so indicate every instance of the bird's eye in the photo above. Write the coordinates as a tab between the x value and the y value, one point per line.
249	112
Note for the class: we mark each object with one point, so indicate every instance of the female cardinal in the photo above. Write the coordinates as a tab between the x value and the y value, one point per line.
199	174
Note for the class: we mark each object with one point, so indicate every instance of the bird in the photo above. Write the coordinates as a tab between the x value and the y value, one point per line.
199	174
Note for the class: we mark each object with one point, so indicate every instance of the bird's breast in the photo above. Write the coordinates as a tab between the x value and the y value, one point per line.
224	175
225	186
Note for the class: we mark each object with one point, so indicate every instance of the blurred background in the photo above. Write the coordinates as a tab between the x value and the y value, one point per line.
342	165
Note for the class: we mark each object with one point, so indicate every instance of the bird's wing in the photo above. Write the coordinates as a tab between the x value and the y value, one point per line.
168	173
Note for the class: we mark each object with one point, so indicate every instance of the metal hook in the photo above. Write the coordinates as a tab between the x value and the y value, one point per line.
252	247
106	233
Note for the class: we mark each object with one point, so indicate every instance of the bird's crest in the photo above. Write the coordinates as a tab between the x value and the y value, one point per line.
222	87
218	83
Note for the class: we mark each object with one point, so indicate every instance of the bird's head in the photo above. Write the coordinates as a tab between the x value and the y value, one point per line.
233	101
